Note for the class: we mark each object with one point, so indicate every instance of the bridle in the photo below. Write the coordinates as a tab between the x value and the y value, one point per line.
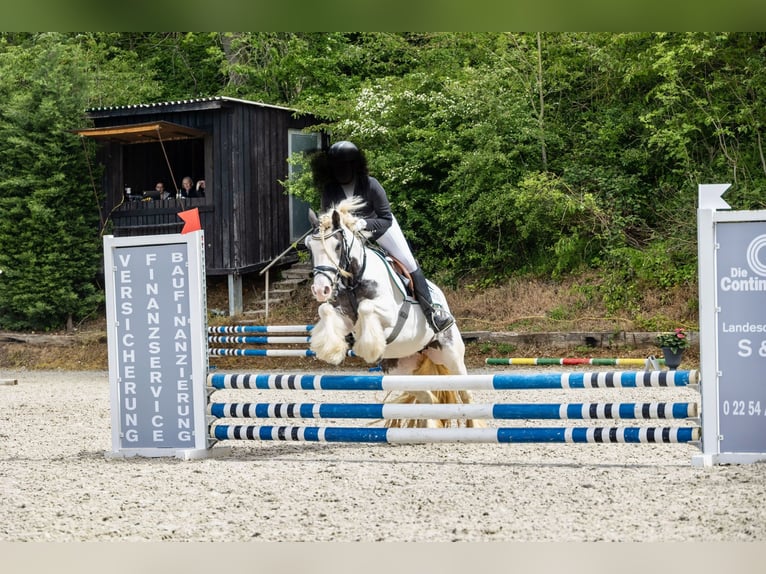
340	275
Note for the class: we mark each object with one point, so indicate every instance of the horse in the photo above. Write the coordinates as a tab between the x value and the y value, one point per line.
365	306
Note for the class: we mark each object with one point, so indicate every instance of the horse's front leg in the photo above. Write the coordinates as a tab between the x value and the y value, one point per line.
328	337
369	334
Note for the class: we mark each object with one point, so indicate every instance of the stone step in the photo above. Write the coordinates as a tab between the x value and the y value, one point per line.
296	275
272	301
257	314
261	307
286	284
281	293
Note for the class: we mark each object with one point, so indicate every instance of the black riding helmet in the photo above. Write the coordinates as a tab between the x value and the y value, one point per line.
344	151
345	161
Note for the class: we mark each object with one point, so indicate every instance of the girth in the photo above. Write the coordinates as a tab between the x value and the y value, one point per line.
400	277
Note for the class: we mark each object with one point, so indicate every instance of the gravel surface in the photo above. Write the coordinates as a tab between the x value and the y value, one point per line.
59	486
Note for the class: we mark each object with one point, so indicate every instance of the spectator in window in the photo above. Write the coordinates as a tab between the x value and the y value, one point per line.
188	189
163	193
159	193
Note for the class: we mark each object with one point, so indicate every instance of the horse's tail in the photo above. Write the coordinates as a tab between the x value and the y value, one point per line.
428	367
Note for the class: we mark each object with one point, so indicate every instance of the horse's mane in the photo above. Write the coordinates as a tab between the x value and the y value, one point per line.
345	209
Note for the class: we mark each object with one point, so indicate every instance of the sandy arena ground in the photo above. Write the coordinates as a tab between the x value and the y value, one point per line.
58	485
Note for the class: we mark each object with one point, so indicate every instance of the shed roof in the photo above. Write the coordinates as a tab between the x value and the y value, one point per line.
214	102
144	132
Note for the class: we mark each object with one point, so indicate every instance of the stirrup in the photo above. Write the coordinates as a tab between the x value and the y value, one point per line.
441	320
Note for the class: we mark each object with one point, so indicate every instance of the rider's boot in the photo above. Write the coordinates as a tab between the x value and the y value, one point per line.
438	318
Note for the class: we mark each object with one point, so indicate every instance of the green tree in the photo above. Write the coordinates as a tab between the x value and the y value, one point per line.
48	214
175	65
119	74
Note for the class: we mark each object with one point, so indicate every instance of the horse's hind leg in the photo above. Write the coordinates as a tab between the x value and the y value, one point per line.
402	365
449	352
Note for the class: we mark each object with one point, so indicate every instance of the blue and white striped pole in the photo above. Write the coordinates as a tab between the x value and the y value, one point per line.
500	381
260	352
458	435
236	329
389	411
258	340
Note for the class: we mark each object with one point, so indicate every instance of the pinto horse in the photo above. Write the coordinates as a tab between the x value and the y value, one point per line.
364	305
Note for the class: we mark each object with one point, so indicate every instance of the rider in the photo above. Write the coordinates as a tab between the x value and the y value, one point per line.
347	176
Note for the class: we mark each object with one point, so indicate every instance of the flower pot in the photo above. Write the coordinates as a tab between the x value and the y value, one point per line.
672	358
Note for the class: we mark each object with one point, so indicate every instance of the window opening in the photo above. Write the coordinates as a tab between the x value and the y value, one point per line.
299	209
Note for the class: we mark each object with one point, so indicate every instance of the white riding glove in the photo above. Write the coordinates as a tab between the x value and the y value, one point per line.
360	225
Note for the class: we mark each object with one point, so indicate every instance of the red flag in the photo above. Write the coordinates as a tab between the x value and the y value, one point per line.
191	220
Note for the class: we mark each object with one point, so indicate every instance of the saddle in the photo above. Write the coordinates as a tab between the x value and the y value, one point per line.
397	267
402	273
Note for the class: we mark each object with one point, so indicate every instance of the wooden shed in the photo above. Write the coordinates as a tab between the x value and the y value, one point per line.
238	147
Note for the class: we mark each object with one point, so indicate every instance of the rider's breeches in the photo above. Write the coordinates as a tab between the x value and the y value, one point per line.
395	243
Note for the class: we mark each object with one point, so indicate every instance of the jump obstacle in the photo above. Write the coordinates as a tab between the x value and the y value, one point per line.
217	415
387	411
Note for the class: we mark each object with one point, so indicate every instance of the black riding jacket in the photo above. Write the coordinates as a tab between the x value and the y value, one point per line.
376	211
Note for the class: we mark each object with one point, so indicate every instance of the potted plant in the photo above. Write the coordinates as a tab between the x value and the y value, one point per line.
673	345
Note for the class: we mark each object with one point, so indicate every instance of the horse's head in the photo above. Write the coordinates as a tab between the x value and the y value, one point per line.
337	251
